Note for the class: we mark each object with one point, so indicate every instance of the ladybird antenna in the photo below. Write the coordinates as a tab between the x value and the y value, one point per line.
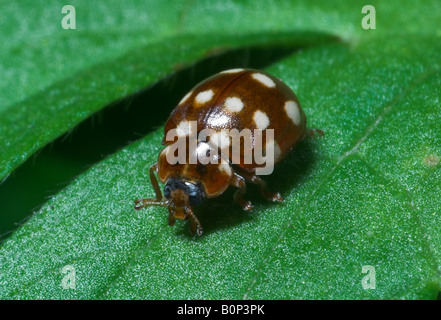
142	203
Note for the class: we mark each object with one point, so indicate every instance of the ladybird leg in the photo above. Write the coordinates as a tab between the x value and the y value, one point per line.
159	201
239	182
311	133
195	225
154	182
271	196
171	219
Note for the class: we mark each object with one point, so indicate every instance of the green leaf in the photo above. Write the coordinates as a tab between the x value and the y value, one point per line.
363	195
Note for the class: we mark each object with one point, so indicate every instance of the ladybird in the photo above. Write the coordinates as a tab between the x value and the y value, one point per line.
232	101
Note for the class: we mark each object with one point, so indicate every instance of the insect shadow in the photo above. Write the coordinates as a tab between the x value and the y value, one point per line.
223	213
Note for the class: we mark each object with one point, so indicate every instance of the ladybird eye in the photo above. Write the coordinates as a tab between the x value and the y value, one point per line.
167	191
194	198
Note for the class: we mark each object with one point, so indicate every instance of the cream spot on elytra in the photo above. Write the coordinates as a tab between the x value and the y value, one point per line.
184	128
225	167
232	70
220	139
233	104
204	96
261	120
263	79
293	112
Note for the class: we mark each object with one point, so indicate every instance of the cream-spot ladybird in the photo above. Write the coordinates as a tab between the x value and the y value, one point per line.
234	100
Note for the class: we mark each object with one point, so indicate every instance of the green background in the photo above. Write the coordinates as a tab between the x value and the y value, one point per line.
81	115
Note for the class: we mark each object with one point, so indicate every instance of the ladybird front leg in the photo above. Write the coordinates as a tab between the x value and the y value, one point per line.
239	182
195	225
160	200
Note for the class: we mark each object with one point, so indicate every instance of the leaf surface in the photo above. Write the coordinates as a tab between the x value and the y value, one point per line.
363	195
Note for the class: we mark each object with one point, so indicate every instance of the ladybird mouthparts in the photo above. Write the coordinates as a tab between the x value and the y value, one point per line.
194	191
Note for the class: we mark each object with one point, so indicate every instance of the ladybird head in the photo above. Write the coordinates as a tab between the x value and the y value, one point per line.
183	193
208	179
187	184
182	196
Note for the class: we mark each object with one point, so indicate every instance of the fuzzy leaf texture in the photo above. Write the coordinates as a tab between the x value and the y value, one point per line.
365	194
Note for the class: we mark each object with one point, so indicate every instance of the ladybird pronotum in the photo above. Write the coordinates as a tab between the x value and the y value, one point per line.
236	100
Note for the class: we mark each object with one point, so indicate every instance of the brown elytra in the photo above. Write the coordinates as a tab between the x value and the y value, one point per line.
245	112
